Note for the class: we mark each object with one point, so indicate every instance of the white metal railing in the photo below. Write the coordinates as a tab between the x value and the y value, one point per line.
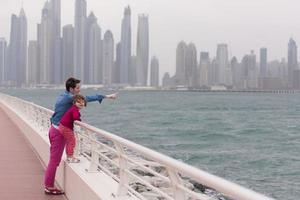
140	171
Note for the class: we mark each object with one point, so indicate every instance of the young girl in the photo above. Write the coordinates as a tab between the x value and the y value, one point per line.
66	126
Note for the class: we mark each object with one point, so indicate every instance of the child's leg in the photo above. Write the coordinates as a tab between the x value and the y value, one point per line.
70	139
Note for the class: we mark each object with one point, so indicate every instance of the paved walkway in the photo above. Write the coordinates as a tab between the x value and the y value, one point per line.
21	173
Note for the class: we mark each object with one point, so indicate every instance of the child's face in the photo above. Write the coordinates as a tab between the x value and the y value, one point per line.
79	104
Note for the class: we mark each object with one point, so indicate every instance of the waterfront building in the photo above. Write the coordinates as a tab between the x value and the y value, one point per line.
32	75
292	60
125	48
191	66
203	69
108	58
93	73
68	52
181	64
223	71
3	54
154	75
142	51
79	39
263	62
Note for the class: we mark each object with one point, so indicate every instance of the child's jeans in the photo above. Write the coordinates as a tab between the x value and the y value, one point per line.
70	139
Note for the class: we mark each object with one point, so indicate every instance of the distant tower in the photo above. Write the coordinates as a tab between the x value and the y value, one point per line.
181	63
191	66
79	39
154	76
125	56
3	49
108	57
18	50
203	68
93	53
292	60
68	52
142	50
117	65
263	62
222	64
32	67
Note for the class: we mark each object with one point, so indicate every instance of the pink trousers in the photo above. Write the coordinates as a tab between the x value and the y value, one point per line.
69	138
57	145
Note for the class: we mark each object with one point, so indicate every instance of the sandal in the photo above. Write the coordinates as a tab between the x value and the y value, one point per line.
73	160
53	191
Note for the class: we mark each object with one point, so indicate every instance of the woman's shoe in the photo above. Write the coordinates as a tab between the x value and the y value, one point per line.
53	191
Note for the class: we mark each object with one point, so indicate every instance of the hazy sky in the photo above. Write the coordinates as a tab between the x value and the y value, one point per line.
242	24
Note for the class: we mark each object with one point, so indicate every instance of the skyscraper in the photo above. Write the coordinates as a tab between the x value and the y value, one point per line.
17	58
3	49
154	76
93	72
292	60
222	65
191	66
79	39
117	66
263	62
125	56
203	68
68	52
46	45
249	78
32	66
142	50
180	63
56	50
22	49
108	57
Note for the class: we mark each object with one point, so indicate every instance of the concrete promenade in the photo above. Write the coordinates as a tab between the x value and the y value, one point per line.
21	172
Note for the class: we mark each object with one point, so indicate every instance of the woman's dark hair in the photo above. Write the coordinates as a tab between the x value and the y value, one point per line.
79	97
71	83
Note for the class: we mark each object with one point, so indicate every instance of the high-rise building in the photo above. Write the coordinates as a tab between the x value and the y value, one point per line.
32	66
191	66
125	57
132	78
79	39
154	75
93	72
142	50
263	62
17	57
68	52
56	50
236	73
292	61
108	57
181	63
45	45
117	65
249	75
223	69
3	49
203	69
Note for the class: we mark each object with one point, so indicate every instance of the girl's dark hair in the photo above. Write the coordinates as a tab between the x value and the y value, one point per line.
79	97
71	83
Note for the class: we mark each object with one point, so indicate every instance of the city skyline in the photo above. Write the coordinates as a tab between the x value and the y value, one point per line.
206	24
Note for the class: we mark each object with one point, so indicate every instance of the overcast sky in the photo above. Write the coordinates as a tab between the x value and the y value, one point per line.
242	24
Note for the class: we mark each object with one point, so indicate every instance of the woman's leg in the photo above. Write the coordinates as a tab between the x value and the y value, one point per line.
57	143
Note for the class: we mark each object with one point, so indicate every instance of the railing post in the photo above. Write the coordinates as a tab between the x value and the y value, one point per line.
176	180
94	156
122	190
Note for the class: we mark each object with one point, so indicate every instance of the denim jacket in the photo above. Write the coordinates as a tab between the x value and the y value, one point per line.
65	101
